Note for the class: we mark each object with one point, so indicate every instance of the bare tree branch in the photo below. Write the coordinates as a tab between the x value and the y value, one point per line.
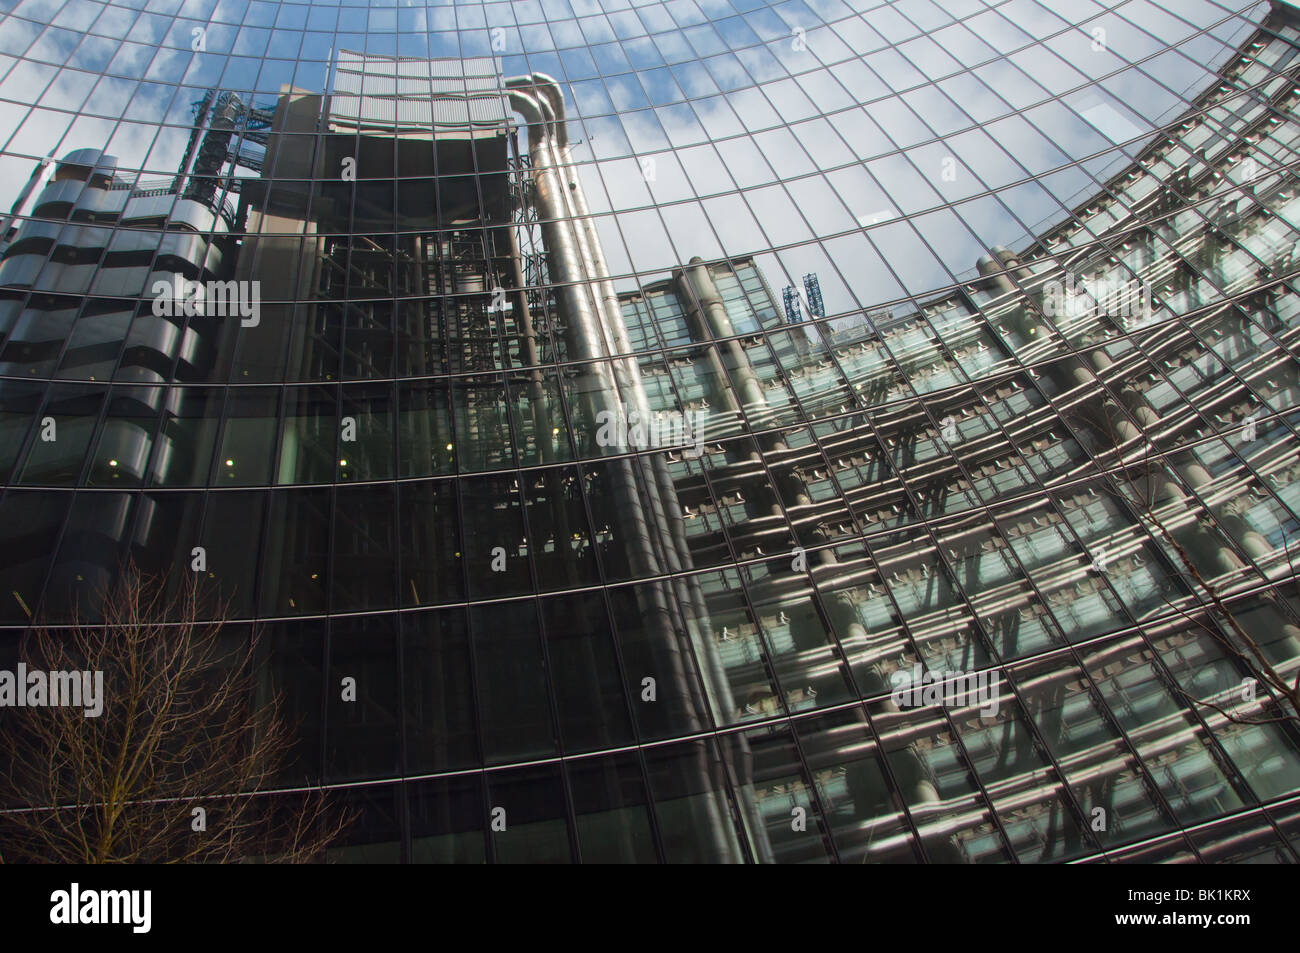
181	764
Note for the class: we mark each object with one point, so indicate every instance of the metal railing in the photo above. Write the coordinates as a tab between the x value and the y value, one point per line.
153	188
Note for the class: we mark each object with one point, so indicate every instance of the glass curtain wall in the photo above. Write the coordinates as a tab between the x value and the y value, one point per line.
638	400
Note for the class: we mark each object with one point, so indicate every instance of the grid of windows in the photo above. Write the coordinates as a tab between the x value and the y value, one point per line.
636	395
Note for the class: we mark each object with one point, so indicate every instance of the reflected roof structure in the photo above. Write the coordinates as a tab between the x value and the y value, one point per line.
414	95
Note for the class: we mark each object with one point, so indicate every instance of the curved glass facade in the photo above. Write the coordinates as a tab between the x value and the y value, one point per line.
704	430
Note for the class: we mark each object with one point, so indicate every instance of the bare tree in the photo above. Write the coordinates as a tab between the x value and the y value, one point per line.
182	762
1142	480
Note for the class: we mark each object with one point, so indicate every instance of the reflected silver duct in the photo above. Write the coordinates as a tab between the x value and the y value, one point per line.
598	335
608	336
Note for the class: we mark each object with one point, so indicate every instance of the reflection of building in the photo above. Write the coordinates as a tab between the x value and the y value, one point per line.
637	653
440	286
970	523
73	282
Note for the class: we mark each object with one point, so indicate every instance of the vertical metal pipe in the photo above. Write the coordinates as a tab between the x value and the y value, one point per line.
596	334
